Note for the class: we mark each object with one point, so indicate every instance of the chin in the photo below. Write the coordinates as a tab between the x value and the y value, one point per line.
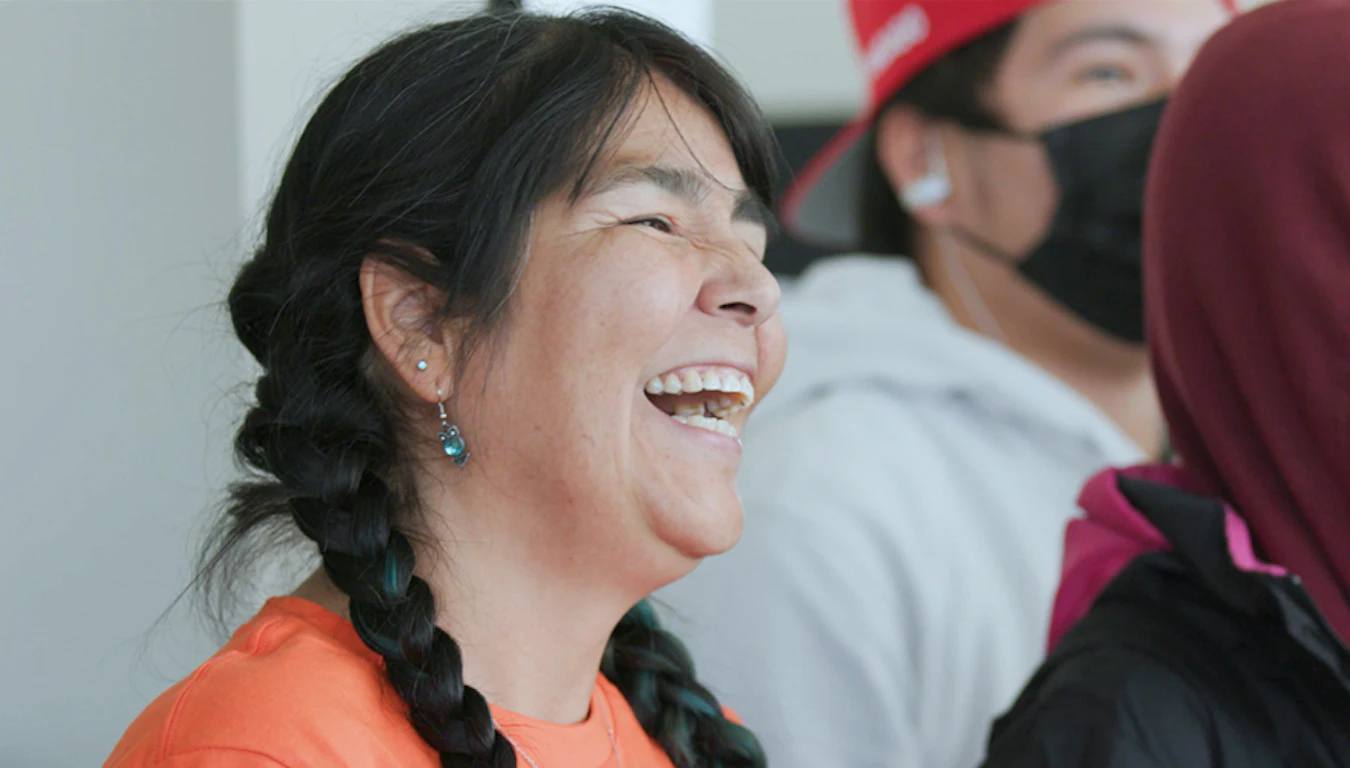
680	538
705	529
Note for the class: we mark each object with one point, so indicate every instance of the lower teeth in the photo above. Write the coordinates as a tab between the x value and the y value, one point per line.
713	425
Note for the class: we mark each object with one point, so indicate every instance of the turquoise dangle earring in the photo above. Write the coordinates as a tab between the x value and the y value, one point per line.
451	442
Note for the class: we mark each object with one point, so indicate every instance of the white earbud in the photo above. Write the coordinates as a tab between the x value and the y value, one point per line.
935	186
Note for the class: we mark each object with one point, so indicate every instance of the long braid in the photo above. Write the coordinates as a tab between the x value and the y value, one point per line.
318	429
655	673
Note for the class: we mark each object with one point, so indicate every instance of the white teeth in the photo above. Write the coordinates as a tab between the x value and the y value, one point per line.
691	382
724	407
712	425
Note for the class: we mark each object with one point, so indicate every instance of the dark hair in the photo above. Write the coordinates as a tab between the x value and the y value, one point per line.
431	153
951	88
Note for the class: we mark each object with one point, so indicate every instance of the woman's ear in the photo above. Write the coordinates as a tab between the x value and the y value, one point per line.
401	313
910	155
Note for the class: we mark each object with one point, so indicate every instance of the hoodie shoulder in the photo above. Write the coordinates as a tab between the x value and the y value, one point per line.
863	321
1092	715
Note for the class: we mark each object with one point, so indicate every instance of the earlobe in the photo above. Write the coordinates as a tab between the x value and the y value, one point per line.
401	318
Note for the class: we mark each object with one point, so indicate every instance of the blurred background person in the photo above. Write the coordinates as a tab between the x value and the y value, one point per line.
1214	593
949	389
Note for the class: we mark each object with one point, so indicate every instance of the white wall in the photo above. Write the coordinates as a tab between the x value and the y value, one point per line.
289	52
692	17
118	205
796	56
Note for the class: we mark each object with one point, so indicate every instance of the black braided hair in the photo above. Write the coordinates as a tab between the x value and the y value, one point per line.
656	675
431	153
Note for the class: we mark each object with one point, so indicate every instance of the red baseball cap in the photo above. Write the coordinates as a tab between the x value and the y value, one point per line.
896	40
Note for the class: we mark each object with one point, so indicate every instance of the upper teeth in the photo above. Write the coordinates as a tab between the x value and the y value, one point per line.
691	382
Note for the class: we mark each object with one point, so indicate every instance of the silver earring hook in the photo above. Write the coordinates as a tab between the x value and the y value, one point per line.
451	442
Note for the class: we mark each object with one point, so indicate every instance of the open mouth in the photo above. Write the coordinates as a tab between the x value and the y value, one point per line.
706	397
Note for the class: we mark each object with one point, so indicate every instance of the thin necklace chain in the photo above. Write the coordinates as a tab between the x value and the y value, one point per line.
609	730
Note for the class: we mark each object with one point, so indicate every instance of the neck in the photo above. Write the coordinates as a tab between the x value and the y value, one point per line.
1113	375
531	641
1125	393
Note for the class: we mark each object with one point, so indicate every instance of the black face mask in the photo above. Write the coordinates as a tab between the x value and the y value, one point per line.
1090	260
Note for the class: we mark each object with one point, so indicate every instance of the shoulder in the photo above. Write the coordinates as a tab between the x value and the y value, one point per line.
855	281
283	689
865	321
831	529
1139	676
1113	706
859	470
837	444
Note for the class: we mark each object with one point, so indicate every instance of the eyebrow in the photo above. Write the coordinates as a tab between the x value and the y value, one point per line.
691	187
1112	33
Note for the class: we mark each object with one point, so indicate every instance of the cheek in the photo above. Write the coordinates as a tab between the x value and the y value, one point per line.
1016	196
625	303
584	327
617	295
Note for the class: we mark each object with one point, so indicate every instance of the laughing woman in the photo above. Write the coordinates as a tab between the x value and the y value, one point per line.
511	315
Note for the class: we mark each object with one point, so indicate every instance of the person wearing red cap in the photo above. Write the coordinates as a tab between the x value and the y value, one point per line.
1204	609
946	396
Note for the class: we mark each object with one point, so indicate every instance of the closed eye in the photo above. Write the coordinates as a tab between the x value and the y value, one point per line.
655	222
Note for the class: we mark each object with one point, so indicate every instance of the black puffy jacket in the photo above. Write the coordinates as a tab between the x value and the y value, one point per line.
1186	661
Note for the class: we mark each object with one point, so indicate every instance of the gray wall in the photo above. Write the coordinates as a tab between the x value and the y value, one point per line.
118	207
794	55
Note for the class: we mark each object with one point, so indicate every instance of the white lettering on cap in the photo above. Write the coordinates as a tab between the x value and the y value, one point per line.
906	29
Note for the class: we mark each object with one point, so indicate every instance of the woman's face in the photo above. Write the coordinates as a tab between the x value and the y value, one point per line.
644	326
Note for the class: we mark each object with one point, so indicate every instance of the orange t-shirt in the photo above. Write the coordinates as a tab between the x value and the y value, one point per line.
296	688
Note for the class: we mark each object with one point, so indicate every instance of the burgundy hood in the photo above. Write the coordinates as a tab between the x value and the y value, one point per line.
1247	284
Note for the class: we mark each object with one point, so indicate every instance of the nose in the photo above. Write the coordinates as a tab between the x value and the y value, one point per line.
741	289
